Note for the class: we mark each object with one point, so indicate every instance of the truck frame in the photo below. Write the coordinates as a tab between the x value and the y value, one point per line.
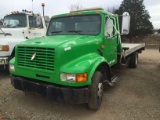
73	62
18	27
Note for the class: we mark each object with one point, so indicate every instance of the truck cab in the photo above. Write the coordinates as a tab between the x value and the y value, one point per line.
18	27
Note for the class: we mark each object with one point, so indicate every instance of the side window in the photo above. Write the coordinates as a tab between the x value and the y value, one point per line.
32	22
109	28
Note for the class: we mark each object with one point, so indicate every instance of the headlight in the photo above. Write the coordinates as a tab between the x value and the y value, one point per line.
4	48
68	77
74	77
11	67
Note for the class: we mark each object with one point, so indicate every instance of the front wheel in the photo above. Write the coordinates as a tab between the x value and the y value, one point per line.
96	91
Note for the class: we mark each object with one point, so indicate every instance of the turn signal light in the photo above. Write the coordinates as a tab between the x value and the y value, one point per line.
5	48
81	77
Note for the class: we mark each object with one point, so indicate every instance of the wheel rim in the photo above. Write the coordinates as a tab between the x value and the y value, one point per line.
136	62
100	90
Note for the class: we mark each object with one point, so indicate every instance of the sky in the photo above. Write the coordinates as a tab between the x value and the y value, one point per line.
53	7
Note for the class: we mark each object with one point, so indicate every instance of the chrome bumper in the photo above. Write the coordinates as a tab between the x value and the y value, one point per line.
3	62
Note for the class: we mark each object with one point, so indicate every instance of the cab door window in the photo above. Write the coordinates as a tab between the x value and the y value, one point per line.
109	28
32	22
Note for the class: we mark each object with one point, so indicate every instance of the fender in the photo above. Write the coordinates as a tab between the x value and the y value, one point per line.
85	64
96	65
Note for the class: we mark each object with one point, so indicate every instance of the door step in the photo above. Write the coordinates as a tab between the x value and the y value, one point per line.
114	80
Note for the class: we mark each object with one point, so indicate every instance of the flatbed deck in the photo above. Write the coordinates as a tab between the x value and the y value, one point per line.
130	48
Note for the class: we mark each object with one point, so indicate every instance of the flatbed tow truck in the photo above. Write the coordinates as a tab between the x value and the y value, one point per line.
73	62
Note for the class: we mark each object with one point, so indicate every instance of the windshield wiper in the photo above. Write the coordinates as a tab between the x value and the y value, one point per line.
2	31
56	32
76	31
7	26
16	26
5	34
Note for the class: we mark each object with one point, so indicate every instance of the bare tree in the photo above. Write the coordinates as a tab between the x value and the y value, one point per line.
75	7
112	9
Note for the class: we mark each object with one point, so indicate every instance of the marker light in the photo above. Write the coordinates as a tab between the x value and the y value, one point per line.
43	4
53	16
97	11
102	46
79	13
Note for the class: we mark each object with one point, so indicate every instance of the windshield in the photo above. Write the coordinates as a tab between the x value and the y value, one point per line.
15	20
83	25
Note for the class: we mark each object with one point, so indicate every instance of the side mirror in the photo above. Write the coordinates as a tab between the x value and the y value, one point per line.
5	23
38	21
46	18
1	23
125	23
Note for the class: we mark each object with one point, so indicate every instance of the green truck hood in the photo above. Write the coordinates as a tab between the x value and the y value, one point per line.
58	40
71	54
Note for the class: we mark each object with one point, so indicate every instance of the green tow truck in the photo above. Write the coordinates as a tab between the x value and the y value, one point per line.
73	62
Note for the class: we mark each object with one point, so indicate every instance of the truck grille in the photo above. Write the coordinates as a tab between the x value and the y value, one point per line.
44	58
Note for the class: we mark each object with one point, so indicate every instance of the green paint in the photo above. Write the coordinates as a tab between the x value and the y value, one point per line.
72	52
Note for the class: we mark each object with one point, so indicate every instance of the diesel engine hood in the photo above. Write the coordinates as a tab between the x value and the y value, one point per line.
59	40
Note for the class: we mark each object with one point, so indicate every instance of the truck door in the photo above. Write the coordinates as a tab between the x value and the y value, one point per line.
34	30
110	41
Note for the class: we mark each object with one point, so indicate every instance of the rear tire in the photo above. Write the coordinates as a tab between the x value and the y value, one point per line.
134	60
96	91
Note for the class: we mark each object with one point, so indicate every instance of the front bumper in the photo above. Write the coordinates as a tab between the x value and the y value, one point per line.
51	91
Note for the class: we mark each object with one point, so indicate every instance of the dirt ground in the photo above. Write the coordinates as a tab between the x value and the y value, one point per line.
135	97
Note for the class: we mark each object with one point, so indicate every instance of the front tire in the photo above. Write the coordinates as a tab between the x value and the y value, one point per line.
96	91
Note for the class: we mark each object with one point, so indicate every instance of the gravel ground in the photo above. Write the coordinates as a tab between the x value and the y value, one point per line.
135	97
